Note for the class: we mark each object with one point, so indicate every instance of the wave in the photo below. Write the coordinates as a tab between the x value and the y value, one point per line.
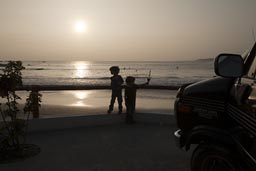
167	77
92	78
66	73
35	68
101	81
99	69
99	78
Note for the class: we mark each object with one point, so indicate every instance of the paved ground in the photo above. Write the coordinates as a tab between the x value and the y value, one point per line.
110	147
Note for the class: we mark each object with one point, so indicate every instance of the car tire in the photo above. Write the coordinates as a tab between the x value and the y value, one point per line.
211	157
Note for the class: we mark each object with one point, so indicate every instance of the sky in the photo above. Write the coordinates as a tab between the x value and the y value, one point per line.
124	30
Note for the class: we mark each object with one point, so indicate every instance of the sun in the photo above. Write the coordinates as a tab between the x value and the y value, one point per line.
80	26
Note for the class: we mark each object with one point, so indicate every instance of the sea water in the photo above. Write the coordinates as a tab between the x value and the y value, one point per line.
166	73
56	103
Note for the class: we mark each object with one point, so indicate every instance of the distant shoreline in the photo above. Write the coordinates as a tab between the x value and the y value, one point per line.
206	59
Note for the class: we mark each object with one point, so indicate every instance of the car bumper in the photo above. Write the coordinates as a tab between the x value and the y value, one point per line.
177	138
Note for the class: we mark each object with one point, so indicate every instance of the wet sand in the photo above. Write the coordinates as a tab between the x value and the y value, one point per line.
95	102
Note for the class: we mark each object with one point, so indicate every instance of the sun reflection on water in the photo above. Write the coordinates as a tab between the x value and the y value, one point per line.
81	69
81	98
79	104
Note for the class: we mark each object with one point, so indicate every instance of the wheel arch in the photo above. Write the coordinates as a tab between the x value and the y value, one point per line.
221	137
208	134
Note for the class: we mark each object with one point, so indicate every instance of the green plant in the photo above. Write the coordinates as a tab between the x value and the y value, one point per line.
32	105
13	127
11	78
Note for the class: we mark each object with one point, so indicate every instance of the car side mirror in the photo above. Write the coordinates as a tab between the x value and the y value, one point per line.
229	65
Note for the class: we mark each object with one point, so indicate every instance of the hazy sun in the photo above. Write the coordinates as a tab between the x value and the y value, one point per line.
80	26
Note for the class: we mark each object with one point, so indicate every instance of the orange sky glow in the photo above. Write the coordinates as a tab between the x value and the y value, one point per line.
124	30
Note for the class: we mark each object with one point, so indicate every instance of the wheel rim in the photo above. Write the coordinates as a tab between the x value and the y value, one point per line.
217	163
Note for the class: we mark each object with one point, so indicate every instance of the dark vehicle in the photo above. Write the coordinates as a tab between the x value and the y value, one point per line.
217	117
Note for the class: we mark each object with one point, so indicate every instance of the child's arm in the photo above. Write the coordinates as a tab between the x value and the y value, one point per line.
121	80
125	95
142	85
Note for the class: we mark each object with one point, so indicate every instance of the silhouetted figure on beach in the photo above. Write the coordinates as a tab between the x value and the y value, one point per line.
130	97
116	85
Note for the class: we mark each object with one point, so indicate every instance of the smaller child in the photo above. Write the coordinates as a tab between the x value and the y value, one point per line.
130	97
116	86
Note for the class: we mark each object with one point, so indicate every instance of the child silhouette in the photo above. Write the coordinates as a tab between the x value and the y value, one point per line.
130	97
116	86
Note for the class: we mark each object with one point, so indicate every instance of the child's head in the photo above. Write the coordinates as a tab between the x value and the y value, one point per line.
130	80
114	69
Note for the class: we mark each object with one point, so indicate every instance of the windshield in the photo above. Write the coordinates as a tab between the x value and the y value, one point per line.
246	53
250	62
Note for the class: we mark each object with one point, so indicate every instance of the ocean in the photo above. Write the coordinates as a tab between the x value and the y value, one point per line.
167	73
88	102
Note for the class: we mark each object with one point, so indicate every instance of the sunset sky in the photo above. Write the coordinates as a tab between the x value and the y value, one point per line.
148	30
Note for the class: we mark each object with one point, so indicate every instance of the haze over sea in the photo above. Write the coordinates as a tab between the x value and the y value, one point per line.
97	73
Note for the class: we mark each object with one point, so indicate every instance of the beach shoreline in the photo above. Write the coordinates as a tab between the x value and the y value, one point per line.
95	102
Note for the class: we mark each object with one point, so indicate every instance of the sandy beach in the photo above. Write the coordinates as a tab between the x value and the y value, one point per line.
103	143
77	134
95	102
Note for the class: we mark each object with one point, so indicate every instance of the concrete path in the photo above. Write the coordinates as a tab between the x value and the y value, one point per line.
143	146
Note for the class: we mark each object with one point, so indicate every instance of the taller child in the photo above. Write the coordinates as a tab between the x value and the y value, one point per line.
116	86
